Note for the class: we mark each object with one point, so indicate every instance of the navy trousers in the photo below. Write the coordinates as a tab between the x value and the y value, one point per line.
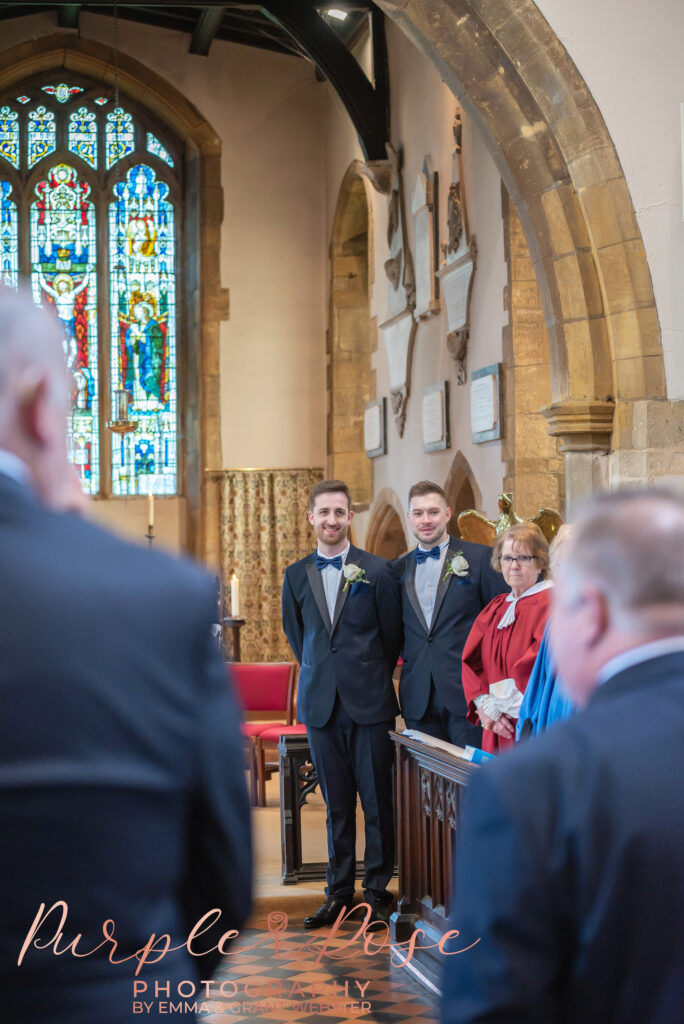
351	758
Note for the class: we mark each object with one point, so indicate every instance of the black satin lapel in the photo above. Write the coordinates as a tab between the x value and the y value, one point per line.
342	596
443	584
410	584
316	584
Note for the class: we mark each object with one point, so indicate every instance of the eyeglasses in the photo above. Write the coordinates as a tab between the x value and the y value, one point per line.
521	560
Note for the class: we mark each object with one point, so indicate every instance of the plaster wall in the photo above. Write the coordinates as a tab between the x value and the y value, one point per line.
629	54
422	117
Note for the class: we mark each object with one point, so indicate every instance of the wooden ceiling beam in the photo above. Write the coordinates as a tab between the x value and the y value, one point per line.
205	30
68	15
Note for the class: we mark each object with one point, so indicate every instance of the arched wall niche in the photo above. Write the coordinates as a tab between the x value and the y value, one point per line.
461	491
205	300
351	337
386	535
546	134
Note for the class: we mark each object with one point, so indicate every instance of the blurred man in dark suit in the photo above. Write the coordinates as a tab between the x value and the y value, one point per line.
445	584
570	865
122	791
342	617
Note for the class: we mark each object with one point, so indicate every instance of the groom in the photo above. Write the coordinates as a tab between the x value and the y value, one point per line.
342	617
445	584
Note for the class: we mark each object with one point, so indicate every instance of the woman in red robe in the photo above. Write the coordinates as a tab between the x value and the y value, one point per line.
503	643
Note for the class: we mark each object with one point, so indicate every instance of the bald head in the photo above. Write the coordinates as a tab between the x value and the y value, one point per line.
631	546
33	387
621	582
29	340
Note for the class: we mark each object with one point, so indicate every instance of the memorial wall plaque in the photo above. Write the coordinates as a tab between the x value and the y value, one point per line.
375	429
436	433
424	208
399	334
485	404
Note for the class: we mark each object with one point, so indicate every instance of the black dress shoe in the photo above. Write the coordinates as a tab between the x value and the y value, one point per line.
327	914
380	915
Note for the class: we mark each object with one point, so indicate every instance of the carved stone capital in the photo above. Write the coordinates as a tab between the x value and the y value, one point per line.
381	175
583	426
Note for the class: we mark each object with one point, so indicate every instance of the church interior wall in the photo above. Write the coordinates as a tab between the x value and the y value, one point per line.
422	110
286	145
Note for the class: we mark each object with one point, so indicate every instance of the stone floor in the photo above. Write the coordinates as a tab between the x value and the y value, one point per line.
276	971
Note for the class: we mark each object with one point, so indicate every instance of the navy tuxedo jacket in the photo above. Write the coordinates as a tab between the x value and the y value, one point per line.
355	654
570	867
122	785
435	653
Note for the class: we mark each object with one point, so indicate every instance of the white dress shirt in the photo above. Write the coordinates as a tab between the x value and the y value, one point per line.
331	580
427	578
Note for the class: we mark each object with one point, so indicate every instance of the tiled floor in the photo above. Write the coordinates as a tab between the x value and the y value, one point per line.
303	977
278	972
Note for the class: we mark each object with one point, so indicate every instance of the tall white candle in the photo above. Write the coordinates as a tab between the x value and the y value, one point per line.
150	510
235	597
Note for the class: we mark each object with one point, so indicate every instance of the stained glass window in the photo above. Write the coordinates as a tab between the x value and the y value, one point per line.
83	135
42	134
62	92
9	250
155	147
119	137
80	231
9	135
143	330
63	278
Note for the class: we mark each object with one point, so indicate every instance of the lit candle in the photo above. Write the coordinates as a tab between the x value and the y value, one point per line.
235	597
150	510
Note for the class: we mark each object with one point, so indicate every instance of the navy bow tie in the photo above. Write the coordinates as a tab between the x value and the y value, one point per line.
322	562
422	555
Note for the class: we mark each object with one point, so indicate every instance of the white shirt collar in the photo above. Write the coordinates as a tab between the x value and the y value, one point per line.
11	465
442	546
508	616
342	553
635	656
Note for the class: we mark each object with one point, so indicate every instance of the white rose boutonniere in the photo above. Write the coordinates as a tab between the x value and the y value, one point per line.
353	574
458	566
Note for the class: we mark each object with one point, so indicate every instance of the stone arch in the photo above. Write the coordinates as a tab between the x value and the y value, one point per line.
386	535
206	302
351	336
513	76
461	491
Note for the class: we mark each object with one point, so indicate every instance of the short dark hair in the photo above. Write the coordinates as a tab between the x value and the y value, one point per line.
424	487
329	487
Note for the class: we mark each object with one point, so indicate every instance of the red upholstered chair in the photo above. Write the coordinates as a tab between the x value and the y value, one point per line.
269	737
266	692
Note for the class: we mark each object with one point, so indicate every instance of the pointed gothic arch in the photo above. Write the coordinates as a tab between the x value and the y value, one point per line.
351	336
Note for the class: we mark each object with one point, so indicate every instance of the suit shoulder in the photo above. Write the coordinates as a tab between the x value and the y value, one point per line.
399	564
372	562
474	551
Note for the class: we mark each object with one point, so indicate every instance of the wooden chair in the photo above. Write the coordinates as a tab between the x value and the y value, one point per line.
266	692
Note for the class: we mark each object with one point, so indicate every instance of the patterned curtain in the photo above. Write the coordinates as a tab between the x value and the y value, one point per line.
264	528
